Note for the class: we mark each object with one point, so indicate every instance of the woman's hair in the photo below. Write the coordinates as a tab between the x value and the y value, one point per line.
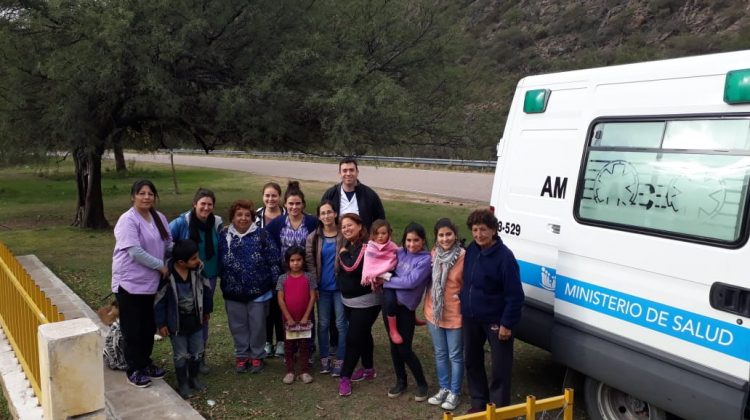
294	250
241	204
417	229
273	185
379	224
356	219
137	185
203	192
292	188
446	223
483	217
184	249
317	212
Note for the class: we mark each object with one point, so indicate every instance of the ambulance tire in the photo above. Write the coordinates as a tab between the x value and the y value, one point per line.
606	403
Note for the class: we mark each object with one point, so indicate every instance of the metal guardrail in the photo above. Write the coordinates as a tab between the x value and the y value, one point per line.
23	308
528	410
386	159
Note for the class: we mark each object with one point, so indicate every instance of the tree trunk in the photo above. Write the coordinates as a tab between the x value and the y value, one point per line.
174	172
120	165
90	204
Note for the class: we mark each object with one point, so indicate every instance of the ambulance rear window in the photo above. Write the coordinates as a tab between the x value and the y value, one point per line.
684	178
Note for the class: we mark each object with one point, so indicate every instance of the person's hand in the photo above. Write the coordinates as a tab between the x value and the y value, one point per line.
378	281
503	333
164	270
303	321
164	331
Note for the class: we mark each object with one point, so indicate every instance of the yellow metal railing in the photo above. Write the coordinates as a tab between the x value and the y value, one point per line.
529	409
23	308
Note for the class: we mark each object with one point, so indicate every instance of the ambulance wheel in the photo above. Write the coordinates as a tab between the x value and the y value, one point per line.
606	403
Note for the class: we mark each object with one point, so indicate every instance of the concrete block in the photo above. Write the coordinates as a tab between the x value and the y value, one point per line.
70	362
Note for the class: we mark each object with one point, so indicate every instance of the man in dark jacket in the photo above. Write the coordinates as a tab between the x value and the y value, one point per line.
491	303
351	196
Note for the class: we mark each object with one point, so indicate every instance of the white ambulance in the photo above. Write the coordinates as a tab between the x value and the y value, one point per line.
623	192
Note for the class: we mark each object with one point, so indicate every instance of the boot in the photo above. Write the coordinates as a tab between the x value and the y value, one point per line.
393	330
182	382
193	371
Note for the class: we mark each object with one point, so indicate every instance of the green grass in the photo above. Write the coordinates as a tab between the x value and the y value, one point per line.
38	203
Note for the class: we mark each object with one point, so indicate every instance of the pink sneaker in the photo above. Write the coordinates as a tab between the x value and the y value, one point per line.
361	374
345	387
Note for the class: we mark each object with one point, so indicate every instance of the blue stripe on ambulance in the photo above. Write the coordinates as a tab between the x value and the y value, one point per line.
704	331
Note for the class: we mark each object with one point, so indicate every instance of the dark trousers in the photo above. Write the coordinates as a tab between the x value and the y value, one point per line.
402	354
501	357
390	302
290	347
138	327
274	321
359	342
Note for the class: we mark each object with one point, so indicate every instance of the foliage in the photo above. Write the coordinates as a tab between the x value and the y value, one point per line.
350	77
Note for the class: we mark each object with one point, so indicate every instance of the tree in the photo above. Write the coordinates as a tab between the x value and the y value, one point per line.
320	75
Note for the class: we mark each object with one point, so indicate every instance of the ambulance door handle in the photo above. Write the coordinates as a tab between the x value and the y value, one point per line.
554	228
730	298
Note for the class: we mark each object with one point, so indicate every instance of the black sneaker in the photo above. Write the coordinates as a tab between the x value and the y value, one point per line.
421	393
154	372
397	390
137	378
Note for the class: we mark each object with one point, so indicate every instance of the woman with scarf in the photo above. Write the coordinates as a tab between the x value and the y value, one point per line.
202	226
442	309
249	269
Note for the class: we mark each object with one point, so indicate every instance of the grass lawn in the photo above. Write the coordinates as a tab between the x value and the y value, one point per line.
38	203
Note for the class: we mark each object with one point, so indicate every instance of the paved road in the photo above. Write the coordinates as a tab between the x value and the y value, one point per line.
458	185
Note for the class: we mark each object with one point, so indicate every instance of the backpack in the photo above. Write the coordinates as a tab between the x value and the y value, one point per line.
114	344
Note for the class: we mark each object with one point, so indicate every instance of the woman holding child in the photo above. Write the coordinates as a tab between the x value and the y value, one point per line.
361	304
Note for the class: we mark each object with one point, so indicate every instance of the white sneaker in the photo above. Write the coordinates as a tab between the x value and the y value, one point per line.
280	349
438	398
268	348
451	402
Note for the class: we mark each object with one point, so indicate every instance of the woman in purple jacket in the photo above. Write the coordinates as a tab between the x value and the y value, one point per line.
409	279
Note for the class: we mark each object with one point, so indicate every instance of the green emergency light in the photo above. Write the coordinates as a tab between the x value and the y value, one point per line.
535	101
737	87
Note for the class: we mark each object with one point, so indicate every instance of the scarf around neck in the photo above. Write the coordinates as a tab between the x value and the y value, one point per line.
196	226
444	261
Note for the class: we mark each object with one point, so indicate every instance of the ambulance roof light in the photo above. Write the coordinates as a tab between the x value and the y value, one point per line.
737	87
535	101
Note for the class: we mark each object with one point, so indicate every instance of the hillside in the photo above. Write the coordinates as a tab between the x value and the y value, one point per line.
520	38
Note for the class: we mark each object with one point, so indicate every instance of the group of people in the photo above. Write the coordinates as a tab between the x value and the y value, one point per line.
277	264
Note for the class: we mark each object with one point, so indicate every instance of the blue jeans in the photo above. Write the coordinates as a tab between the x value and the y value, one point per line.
186	347
329	305
449	356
